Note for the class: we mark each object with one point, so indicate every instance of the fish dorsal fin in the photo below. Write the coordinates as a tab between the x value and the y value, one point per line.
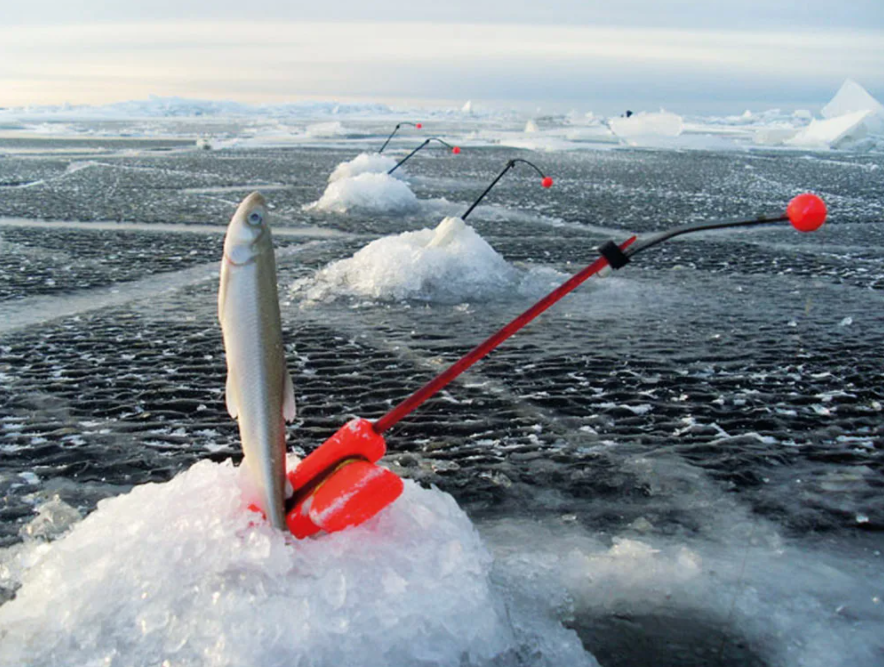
228	396
288	400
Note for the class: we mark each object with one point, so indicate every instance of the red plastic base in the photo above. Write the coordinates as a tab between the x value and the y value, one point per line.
352	494
339	485
355	439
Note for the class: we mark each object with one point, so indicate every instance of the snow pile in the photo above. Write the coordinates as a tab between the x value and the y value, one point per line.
836	132
531	127
364	163
450	264
328	130
644	125
378	193
176	573
852	98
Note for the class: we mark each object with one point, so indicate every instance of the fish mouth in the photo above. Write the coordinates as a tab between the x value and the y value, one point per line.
253	248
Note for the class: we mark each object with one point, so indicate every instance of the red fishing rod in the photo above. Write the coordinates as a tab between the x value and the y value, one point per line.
338	484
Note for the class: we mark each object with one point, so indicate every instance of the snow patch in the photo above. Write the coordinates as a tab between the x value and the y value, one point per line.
378	193
364	163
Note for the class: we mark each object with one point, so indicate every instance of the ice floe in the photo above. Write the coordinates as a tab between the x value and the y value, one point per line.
835	132
644	126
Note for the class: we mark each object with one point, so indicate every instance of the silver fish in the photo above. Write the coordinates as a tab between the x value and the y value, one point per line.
259	394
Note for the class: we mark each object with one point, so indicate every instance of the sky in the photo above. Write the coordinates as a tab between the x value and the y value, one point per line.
681	55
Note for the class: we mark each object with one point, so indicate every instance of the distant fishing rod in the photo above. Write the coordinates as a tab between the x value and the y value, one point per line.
806	212
454	149
546	182
395	130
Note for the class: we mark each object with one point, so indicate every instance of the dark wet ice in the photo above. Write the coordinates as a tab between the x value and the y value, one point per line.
686	455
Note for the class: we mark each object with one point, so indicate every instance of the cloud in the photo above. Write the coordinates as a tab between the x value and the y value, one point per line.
779	16
276	61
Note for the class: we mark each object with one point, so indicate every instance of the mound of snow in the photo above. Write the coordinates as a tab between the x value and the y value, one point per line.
467	108
176	573
364	163
378	193
326	130
851	98
645	125
836	132
530	127
448	264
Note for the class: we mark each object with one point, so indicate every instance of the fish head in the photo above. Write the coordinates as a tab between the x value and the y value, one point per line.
248	233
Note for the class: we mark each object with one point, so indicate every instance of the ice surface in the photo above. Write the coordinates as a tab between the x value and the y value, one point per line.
364	163
796	607
326	130
644	125
835	132
177	573
232	125
852	97
449	263
379	193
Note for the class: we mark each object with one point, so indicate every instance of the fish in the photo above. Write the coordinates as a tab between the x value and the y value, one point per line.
259	392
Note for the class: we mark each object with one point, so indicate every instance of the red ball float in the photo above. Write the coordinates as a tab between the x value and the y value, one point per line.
456	150
419	125
806	212
546	182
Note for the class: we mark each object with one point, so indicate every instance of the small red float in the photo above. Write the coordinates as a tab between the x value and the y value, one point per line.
806	212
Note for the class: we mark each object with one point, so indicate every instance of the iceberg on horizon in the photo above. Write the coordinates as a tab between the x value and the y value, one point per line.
838	132
852	98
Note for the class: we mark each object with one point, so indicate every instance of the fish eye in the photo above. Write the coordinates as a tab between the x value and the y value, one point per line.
255	218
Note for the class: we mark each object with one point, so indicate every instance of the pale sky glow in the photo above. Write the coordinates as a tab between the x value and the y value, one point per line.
56	61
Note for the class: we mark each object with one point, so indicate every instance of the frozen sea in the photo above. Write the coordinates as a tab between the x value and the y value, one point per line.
680	464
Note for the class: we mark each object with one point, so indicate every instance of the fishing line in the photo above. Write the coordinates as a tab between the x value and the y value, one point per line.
733	608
